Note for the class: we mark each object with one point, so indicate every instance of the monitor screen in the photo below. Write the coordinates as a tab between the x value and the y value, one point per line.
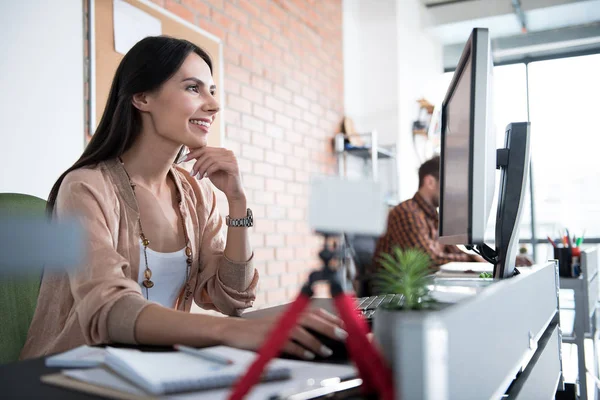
456	160
468	153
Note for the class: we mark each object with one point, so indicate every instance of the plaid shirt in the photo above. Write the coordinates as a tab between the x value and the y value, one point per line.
414	224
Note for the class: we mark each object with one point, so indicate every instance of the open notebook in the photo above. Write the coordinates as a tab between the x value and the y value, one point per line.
107	383
161	373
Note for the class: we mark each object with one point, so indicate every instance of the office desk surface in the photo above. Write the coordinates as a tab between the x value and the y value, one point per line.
22	379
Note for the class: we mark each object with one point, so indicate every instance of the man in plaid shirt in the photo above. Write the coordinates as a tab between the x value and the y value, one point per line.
414	223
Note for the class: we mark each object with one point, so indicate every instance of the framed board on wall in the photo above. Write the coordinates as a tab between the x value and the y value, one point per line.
104	59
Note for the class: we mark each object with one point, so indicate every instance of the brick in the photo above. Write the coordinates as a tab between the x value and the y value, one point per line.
274	157
277	296
283	253
253	152
250	7
283	121
180	10
262	141
264	225
254	124
295	188
317	109
275	268
236	42
254	182
303	252
316	144
254	95
295	137
239	104
296	266
301	176
244	164
252	39
235	133
272	49
261	29
261	84
285	226
233	117
263	113
236	13
274	131
296	214
212	28
294	163
251	65
259	211
294	240
264	169
237	73
293	111
263	197
275	185
310	118
236	147
218	4
268	283
302	102
300	152
302	227
289	280
283	93
283	147
231	55
284	199
293	85
224	21
275	212
274	104
263	254
257	239
287	174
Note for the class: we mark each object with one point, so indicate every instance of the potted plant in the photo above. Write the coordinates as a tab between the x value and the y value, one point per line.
407	272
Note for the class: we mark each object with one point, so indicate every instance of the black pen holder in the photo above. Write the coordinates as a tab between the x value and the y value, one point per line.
564	255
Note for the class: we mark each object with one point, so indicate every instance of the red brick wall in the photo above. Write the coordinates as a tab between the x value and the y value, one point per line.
283	103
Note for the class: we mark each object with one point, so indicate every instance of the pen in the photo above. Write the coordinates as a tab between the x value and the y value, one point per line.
203	354
568	237
551	242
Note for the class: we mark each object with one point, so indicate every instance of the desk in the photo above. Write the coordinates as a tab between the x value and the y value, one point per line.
22	379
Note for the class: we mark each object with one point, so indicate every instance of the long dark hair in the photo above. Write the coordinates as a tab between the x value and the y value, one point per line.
145	67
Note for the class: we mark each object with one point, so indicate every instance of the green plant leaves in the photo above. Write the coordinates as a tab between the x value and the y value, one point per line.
406	272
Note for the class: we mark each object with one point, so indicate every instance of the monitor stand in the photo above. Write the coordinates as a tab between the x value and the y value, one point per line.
513	161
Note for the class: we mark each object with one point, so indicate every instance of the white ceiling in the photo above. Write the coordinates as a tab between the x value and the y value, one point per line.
452	22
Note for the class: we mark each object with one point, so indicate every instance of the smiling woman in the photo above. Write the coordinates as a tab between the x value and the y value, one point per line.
155	236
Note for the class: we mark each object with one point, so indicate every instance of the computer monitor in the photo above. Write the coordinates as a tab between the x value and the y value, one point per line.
468	151
469	159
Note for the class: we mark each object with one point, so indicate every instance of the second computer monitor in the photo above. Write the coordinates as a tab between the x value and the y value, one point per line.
468	155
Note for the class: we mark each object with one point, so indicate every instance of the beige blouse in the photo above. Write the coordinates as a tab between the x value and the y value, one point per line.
99	302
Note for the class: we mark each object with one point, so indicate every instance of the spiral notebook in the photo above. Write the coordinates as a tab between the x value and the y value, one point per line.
163	373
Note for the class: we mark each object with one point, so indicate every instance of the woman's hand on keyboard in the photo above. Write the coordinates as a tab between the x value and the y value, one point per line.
301	343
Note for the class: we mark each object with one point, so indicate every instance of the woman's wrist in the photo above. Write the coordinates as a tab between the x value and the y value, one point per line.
227	329
238	206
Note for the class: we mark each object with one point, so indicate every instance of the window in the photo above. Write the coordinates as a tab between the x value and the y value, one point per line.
563	96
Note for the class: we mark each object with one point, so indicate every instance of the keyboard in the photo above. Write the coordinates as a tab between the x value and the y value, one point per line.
368	305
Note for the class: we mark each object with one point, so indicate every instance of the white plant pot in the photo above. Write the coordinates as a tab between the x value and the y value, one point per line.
415	344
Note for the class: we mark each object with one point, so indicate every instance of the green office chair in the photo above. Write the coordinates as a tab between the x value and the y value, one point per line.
18	294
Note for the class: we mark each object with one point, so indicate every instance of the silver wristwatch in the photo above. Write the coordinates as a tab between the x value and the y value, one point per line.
246	222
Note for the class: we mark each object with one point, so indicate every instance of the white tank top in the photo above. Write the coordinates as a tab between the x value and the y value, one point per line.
168	274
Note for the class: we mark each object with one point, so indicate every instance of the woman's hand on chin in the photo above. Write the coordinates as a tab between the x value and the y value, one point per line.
221	167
